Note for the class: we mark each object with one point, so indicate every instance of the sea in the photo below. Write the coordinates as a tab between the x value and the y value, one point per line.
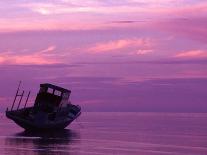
112	133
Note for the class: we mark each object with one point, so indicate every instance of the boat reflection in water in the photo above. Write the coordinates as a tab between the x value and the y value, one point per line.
42	142
105	134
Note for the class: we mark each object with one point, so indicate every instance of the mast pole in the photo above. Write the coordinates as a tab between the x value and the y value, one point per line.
16	95
27	99
20	100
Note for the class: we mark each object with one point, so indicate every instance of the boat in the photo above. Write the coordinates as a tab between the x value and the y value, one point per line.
52	109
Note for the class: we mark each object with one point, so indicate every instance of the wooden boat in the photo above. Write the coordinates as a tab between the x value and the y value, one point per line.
51	110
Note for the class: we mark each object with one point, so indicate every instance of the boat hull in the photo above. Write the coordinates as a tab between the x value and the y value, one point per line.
33	125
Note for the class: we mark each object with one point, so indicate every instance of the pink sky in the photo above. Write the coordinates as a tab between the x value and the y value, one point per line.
156	48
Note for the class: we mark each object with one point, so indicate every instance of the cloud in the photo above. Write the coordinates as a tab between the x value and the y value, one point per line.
110	7
143	52
40	57
59	15
48	50
120	44
192	54
78	7
25	59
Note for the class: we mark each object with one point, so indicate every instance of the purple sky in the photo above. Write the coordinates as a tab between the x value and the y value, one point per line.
127	55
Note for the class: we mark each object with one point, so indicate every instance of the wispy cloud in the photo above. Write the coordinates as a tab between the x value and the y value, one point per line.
121	44
78	7
39	57
143	52
192	54
26	59
47	50
80	14
110	7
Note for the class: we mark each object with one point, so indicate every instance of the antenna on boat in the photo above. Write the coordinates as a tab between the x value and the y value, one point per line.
16	95
20	99
27	99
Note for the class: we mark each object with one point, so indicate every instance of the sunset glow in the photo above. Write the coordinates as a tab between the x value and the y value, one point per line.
132	49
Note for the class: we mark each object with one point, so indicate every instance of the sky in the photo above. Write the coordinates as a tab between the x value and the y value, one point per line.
127	55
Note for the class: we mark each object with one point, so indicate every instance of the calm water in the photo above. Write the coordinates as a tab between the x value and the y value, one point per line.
113	133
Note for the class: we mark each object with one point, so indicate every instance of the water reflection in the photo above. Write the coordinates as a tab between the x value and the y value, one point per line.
60	142
107	133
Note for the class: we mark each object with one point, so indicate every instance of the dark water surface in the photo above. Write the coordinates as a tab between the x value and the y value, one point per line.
113	133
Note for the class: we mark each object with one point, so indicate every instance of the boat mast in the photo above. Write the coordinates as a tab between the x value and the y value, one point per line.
20	100
16	95
26	100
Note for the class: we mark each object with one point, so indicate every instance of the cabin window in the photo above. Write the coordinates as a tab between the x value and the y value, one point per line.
42	89
58	93
65	95
50	90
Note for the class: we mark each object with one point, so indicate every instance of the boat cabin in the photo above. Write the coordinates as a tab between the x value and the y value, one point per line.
51	96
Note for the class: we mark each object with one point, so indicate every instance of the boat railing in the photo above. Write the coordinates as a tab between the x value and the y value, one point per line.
21	95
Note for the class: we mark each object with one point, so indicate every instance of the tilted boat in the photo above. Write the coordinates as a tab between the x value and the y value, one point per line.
51	110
